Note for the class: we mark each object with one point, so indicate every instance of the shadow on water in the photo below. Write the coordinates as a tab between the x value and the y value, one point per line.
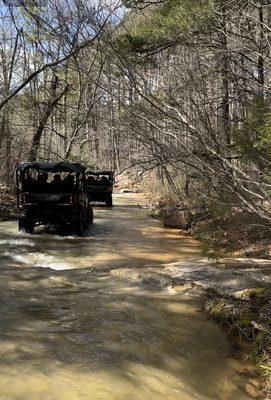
74	332
85	323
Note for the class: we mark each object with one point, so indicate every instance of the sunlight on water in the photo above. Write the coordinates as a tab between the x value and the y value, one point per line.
17	242
119	236
72	331
39	260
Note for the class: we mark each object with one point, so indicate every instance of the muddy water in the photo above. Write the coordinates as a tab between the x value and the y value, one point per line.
121	236
70	330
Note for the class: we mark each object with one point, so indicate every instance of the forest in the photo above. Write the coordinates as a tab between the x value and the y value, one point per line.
174	97
176	88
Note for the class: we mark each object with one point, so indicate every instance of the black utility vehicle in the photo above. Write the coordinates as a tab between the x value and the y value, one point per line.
53	194
100	186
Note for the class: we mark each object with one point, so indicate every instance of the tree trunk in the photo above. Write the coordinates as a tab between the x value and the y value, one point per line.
48	111
225	81
260	57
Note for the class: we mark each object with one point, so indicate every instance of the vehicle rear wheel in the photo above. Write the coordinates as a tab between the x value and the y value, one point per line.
109	201
25	225
21	225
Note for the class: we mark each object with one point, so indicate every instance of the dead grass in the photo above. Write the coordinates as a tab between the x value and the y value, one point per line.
250	319
237	233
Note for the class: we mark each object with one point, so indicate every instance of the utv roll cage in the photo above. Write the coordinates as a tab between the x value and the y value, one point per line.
97	173
60	200
99	186
23	170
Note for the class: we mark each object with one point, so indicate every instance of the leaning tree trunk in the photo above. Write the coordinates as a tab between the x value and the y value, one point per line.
43	121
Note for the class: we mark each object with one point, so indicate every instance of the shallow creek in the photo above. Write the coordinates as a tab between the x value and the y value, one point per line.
70	330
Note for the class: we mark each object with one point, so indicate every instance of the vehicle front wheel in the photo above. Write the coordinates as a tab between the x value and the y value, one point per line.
89	218
109	201
78	225
90	215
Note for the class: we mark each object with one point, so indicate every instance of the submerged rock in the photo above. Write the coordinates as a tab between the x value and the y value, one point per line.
228	276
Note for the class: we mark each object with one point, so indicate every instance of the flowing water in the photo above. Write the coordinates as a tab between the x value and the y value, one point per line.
71	330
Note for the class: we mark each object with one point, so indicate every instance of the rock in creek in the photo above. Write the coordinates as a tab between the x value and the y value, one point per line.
179	218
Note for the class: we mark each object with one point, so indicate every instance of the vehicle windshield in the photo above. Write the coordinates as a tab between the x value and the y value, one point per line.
44	181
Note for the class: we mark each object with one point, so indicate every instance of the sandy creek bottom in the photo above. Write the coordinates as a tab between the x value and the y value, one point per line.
70	330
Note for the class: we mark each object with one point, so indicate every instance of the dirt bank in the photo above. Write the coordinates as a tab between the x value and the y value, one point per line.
223	231
236	234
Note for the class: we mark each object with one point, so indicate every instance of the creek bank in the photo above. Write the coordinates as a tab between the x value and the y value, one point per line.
236	293
238	234
235	233
248	318
8	204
